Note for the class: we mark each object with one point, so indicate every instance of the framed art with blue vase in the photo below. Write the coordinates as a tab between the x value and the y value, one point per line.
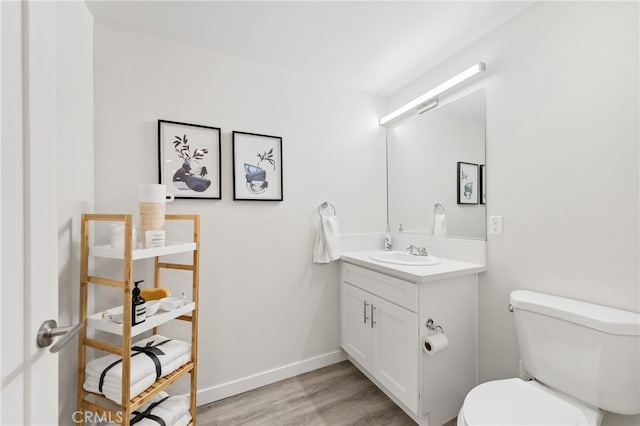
468	187
257	167
189	159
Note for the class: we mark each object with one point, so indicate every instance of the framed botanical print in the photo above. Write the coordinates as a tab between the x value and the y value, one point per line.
257	167
189	159
467	183
483	184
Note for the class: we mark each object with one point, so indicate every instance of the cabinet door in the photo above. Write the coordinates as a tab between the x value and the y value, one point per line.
396	350
356	324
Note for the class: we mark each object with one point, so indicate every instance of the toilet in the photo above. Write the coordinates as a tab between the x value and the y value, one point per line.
580	358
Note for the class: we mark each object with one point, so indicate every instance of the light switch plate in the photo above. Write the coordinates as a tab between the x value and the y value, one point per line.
495	225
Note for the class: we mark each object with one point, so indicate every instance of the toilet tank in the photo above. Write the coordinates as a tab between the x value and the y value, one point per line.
589	351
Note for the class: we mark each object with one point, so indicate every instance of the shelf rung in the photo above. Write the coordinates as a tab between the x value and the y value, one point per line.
106	217
175	266
105	281
180	216
185	318
107	347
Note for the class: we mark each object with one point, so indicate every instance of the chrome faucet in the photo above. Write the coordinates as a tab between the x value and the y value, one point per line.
417	251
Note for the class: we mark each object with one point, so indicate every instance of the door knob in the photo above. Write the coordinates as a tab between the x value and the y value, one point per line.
49	329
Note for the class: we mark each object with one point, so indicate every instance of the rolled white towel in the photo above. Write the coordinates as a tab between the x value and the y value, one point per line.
173	410
170	353
326	246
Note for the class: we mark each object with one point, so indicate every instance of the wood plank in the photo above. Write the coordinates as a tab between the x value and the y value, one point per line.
127	319
103	346
178	266
194	317
106	217
105	281
82	311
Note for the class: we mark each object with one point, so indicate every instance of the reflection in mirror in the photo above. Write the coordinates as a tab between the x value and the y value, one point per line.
423	156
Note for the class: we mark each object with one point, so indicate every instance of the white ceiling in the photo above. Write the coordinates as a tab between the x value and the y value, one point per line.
373	46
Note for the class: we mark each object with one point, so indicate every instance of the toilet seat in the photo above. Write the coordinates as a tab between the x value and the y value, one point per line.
516	402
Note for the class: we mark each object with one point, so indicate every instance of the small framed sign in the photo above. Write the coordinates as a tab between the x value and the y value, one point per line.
257	167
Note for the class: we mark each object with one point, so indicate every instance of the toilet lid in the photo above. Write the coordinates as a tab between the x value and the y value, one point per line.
516	402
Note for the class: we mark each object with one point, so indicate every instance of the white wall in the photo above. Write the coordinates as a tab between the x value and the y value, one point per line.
74	32
263	304
562	161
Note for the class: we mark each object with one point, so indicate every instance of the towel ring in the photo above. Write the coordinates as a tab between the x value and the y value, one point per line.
435	208
325	205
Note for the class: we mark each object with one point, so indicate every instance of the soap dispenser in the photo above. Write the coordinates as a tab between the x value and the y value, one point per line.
139	307
388	241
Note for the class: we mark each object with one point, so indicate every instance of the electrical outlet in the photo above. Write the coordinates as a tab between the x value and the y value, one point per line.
495	225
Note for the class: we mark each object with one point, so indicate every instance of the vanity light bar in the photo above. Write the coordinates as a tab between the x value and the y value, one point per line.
436	91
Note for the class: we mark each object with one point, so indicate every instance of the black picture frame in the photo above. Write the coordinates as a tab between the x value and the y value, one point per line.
483	184
467	183
181	148
251	182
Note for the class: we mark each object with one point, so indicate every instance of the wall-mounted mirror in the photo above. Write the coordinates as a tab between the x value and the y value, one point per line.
423	156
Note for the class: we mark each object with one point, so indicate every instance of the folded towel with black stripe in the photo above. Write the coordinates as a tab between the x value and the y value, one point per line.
163	410
151	359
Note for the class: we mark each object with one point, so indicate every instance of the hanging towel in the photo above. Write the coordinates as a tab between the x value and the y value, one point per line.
326	246
440	225
151	358
163	410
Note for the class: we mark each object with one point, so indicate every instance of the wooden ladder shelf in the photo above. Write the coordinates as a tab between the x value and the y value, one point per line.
96	403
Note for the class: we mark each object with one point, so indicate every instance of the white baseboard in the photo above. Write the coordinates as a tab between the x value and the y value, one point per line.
234	387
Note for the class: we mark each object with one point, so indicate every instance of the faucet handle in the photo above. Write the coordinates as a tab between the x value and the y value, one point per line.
423	251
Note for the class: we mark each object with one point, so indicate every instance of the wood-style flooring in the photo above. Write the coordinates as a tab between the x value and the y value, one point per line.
338	395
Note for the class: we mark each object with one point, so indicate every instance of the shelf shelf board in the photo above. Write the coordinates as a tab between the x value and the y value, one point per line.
142	253
96	322
161	384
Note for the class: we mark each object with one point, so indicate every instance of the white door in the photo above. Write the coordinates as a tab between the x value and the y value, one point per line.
29	200
396	350
356	324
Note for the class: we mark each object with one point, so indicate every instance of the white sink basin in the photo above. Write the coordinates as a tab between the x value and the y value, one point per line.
404	258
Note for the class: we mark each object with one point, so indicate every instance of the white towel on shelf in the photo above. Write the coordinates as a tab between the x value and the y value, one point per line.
440	225
143	370
174	411
326	246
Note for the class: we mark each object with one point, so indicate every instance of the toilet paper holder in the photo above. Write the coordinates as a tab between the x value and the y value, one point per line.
432	326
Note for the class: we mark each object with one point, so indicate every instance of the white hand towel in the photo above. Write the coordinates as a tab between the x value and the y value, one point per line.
326	246
440	225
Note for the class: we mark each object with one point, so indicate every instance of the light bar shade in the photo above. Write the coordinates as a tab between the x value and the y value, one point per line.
436	91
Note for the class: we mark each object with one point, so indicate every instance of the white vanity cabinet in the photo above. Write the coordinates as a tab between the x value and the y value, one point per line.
379	334
382	330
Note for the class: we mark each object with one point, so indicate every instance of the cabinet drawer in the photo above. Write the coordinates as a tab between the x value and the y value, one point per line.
394	290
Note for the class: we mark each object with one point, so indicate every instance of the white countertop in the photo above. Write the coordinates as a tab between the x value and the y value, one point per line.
448	268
